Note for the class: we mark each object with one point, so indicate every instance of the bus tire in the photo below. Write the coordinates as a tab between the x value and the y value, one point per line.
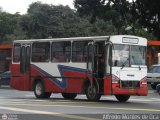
92	96
39	90
69	96
122	98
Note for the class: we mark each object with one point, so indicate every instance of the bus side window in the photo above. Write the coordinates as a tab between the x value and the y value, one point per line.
61	51
16	52
40	52
79	51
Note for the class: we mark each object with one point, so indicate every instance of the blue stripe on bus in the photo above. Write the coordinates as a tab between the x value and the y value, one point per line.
68	68
62	84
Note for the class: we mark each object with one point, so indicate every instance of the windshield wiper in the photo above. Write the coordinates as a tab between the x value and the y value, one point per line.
124	63
135	62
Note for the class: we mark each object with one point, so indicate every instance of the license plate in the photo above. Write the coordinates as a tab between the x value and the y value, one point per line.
131	90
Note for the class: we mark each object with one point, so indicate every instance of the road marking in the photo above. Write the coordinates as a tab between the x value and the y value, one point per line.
155	99
91	107
47	113
144	100
29	95
52	101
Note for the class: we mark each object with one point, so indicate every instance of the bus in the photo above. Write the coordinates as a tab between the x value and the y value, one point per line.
94	66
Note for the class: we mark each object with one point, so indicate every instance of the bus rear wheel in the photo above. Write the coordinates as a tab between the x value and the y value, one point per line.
122	98
92	93
39	90
69	96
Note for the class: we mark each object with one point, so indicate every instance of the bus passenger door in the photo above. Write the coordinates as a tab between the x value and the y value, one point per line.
108	66
90	57
25	66
91	62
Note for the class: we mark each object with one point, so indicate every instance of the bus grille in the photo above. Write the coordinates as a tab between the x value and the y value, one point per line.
130	84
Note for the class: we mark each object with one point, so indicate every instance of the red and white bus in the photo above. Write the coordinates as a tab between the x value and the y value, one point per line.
95	66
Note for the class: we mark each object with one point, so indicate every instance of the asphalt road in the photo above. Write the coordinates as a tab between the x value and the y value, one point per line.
20	105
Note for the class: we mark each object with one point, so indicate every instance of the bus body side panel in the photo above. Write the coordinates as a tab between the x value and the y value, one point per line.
107	85
19	81
66	79
74	81
49	86
16	80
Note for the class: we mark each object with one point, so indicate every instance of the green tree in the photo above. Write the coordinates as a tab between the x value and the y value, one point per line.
43	20
108	10
7	25
120	13
10	28
147	12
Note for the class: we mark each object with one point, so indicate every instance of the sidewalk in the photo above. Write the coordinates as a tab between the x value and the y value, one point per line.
5	87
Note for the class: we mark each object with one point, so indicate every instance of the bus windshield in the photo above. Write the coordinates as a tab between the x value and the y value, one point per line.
127	55
138	55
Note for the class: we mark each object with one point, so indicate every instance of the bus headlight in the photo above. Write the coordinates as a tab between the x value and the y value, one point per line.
144	81
115	79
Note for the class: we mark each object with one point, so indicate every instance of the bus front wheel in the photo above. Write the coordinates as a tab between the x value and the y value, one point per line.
92	93
70	96
122	98
39	90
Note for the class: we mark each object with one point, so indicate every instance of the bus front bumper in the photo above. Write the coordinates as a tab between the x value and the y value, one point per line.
143	91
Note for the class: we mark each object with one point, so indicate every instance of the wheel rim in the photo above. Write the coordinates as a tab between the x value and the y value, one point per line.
91	91
38	89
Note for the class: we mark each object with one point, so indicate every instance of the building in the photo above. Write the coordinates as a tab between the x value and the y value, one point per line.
152	52
5	57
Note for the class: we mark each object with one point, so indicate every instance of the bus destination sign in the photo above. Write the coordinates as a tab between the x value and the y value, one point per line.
130	40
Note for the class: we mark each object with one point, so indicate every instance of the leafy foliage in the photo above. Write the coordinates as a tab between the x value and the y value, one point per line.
108	10
91	18
121	13
43	21
147	12
9	27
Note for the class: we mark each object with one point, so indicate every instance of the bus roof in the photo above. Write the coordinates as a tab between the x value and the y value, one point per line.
65	39
95	38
